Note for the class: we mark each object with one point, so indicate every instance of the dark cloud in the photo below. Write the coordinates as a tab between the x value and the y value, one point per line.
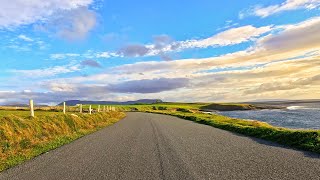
160	42
61	92
149	85
91	63
134	50
56	96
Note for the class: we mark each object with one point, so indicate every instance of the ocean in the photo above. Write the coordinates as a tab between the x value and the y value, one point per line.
295	116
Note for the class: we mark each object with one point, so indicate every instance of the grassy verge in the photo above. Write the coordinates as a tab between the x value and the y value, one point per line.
302	139
22	138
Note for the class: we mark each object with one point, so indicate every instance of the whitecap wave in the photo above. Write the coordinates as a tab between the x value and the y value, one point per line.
299	107
295	107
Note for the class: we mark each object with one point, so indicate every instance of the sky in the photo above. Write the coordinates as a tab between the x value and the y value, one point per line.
188	51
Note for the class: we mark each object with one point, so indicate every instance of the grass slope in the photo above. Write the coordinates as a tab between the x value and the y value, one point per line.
23	137
302	139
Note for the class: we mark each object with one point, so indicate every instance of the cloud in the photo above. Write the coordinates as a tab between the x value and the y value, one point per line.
91	63
149	85
63	55
15	13
23	42
288	41
288	5
25	38
286	85
301	36
164	44
75	24
47	72
229	37
134	50
106	55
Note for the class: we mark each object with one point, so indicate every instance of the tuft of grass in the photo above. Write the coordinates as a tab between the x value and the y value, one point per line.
23	137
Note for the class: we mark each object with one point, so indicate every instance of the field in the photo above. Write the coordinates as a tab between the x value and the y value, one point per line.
23	137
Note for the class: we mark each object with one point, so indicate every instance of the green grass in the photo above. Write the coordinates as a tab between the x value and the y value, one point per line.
25	114
23	137
302	139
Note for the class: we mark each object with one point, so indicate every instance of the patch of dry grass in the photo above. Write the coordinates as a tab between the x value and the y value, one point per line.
23	137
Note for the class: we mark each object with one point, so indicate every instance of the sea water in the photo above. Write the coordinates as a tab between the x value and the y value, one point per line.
295	116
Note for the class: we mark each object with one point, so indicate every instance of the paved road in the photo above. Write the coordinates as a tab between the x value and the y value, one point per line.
151	146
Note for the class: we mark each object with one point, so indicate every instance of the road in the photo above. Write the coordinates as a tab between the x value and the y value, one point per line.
153	146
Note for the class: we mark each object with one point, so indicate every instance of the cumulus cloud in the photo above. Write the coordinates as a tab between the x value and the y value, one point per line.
75	24
91	63
15	13
288	5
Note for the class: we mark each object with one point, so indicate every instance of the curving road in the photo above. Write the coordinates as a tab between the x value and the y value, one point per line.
152	146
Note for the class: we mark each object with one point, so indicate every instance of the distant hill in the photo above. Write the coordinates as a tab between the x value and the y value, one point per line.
140	101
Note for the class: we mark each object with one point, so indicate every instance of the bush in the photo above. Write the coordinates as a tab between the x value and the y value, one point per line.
184	110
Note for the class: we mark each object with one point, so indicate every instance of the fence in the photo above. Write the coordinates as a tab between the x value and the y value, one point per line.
78	108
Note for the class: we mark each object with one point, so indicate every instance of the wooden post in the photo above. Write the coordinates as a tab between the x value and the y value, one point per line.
90	110
64	107
80	108
98	108
104	108
31	108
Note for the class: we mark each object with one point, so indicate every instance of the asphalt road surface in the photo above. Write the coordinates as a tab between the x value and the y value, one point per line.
152	146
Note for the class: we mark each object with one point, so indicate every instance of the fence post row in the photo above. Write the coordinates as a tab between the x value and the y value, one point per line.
105	108
64	107
31	108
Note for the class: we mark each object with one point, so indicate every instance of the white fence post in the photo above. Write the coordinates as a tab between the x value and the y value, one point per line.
98	108
104	108
64	107
80	108
90	110
31	108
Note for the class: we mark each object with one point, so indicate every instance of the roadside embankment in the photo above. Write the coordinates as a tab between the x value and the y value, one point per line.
302	139
23	138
